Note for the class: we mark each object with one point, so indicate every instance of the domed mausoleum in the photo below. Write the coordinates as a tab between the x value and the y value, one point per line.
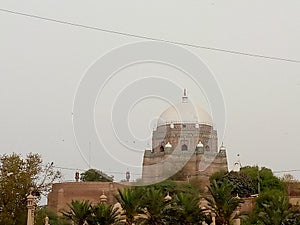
184	143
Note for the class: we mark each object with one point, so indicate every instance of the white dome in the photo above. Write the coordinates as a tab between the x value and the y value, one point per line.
168	145
184	112
200	145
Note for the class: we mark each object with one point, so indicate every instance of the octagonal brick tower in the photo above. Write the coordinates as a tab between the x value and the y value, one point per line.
183	130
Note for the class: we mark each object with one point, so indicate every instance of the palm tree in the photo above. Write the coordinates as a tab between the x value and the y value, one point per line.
152	206
187	208
129	199
104	214
222	202
79	213
275	211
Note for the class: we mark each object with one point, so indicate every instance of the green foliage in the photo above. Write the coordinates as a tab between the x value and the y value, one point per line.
272	204
250	180
272	208
268	196
152	205
130	198
167	186
172	187
262	179
275	211
222	202
269	181
147	205
104	214
219	175
83	211
17	176
41	214
95	175
188	209
79	212
241	183
294	217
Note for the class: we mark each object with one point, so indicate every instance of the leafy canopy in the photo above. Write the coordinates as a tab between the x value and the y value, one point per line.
95	175
17	176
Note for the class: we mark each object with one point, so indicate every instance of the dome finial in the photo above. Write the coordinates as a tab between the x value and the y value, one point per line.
237	165
184	97
223	147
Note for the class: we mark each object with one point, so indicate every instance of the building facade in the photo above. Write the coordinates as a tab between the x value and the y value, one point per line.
184	143
62	194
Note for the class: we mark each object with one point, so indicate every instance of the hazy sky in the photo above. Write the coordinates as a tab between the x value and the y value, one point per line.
43	62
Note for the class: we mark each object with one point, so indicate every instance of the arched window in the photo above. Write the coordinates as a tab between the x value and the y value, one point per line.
184	147
207	148
162	148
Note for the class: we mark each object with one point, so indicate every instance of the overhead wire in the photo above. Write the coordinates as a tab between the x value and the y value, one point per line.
150	38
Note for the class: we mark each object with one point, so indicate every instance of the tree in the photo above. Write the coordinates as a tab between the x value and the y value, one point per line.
171	187
130	200
294	217
79	212
242	184
17	177
152	205
288	179
147	205
262	179
104	214
95	175
41	214
222	202
167	186
275	212
188	209
272	208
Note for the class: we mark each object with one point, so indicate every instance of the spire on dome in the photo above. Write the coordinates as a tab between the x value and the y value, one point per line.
184	97
223	147
222	150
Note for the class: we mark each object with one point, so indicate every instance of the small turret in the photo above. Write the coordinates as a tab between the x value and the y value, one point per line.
167	198
199	147
168	145
127	176
222	151
237	164
168	148
77	176
103	198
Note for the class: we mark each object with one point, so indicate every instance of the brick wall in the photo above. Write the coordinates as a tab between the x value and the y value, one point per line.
64	193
